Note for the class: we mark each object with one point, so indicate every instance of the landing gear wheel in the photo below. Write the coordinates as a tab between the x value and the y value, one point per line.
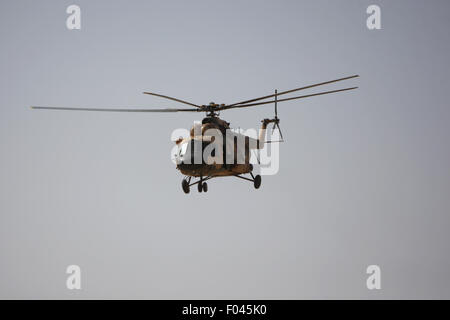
185	186
199	185
205	187
257	181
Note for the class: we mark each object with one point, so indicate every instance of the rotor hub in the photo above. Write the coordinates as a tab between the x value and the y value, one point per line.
211	109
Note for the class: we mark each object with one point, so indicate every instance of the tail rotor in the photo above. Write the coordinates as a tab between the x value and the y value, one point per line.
276	121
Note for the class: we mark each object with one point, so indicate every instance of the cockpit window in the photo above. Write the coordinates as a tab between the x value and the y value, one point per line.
183	148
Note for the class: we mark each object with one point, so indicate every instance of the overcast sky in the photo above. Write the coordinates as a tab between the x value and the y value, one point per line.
364	175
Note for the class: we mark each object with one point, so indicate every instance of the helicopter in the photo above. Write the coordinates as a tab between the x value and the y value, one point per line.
226	157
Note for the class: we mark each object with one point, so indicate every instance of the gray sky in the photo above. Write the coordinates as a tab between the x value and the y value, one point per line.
364	176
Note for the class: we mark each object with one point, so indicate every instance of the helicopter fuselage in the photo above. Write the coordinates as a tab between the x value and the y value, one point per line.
226	157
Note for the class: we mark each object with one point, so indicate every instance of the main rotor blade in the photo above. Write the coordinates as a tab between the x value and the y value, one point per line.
115	110
286	99
173	99
293	90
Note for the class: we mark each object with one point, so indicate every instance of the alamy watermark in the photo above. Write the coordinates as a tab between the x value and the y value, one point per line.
73	281
234	147
373	22
73	21
374	279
